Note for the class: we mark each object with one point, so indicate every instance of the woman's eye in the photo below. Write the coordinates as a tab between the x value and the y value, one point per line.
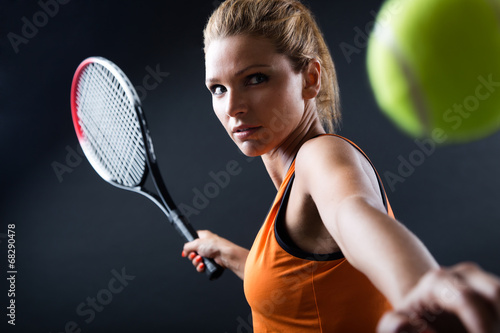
257	78
218	90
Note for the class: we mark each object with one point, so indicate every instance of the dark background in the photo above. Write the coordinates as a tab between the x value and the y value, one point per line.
73	229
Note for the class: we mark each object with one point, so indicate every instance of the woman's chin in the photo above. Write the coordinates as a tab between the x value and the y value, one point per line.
250	153
251	149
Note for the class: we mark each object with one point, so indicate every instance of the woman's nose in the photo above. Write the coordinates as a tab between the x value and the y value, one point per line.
236	104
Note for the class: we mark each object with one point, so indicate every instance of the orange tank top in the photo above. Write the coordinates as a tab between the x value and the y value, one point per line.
291	291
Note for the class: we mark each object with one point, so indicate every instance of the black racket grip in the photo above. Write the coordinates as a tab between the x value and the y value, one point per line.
186	230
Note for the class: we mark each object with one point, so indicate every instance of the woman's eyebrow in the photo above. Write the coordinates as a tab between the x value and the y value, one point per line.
241	71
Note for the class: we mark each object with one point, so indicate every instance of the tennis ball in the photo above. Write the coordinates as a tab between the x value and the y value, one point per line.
434	67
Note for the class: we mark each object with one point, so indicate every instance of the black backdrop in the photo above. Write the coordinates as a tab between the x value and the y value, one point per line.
75	233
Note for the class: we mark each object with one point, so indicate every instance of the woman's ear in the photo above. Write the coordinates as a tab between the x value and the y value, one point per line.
312	79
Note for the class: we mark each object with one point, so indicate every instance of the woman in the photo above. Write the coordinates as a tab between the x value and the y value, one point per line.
330	255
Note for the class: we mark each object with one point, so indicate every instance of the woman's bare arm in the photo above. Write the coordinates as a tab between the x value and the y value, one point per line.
341	183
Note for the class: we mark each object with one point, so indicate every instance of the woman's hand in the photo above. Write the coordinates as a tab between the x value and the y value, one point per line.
463	298
224	252
207	245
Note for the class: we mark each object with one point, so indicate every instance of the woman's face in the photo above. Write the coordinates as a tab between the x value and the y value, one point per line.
256	94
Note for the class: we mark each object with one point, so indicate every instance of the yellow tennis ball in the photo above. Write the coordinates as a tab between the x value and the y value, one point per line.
434	67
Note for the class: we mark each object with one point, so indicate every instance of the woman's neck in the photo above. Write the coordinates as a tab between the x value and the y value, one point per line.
278	161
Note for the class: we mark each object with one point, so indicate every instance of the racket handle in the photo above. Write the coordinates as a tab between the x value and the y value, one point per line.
186	230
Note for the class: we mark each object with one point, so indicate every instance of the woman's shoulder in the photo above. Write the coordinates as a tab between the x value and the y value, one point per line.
326	149
328	162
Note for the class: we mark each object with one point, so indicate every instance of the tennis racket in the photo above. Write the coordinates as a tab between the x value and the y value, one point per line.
113	133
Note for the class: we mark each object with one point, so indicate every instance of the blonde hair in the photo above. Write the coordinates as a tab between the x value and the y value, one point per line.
291	27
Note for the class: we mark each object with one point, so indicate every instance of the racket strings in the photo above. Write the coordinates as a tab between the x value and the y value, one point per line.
117	126
109	122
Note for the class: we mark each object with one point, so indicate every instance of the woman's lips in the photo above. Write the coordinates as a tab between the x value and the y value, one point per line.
245	132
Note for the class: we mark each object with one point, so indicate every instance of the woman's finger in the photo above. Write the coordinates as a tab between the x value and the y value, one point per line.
191	246
444	297
398	321
485	284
